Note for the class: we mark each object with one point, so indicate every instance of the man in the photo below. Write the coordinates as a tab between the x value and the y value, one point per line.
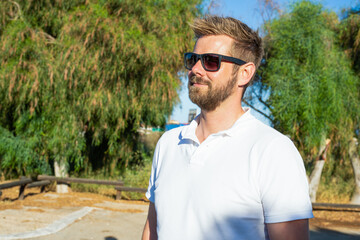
226	175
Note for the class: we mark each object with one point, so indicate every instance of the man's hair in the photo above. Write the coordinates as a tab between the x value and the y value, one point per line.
247	43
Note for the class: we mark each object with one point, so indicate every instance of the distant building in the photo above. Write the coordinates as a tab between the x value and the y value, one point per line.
192	114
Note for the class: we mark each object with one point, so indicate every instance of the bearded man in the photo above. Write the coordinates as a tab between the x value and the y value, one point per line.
226	175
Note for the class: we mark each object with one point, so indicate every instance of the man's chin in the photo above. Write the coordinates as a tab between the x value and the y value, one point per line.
196	92
196	98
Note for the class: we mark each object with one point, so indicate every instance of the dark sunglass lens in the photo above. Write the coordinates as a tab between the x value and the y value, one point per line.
190	60
211	62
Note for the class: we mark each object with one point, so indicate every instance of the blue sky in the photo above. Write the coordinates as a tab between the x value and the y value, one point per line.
248	12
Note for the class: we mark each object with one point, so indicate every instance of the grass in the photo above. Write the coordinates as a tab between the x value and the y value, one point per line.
336	190
337	183
105	190
137	176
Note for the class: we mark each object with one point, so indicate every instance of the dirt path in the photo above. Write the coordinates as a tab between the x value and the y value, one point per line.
90	216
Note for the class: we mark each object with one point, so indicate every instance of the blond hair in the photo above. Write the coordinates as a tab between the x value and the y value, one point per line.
247	43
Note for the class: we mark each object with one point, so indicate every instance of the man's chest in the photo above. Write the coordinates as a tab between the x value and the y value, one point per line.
214	178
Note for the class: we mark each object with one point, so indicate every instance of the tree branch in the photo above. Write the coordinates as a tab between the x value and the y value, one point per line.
260	100
257	110
50	38
19	14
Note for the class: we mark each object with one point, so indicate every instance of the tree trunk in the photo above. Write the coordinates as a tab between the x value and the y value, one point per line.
355	161
316	173
61	171
315	179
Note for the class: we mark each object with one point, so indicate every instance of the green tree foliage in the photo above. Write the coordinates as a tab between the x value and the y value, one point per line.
314	93
349	38
349	34
77	78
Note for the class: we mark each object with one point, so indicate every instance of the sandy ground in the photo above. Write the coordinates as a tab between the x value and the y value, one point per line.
109	219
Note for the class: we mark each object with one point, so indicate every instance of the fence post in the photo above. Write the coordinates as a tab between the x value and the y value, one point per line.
22	189
118	194
22	192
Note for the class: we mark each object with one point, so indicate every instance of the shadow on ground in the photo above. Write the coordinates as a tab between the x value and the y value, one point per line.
325	234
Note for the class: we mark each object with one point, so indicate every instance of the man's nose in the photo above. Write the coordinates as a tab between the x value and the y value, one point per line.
198	69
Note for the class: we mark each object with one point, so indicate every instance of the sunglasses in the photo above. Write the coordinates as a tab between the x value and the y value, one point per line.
211	62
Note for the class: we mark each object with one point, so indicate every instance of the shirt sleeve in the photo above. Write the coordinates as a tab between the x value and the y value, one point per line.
284	188
151	188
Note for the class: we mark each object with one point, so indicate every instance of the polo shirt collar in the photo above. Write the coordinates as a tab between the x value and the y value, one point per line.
188	132
239	123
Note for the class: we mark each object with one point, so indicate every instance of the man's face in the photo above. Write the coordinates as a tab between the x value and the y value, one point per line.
209	89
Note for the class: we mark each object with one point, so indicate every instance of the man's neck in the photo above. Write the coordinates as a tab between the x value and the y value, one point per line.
220	119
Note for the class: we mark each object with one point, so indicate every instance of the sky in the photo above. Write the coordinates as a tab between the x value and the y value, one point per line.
248	12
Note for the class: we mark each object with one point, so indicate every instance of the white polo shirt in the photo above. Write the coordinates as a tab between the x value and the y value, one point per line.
228	186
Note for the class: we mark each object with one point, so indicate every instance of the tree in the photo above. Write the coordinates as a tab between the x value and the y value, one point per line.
349	38
77	78
313	91
349	35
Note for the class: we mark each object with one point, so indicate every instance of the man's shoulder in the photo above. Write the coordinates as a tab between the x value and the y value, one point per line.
263	133
260	127
267	141
172	134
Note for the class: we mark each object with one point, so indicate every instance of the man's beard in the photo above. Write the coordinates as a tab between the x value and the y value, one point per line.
210	99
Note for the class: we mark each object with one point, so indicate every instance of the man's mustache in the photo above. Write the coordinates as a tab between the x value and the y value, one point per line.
198	80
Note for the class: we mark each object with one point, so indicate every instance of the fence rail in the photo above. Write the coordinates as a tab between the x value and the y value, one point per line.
79	180
336	207
44	180
23	182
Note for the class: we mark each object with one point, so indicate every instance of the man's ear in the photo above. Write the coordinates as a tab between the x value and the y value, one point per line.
245	74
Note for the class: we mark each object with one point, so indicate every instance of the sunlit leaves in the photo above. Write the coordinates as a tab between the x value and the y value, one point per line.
93	71
314	92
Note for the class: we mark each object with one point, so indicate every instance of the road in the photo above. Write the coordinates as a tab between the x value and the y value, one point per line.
100	223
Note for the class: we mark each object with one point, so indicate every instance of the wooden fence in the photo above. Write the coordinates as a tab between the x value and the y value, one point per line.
43	180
